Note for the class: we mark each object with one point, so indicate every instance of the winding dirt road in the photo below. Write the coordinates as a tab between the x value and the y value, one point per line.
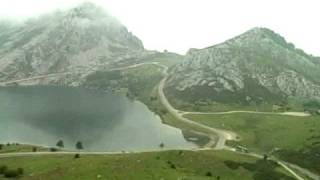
223	135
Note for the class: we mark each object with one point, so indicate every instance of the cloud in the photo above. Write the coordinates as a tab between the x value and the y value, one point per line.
182	24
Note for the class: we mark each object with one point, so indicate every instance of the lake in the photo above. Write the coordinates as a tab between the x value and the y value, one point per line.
42	115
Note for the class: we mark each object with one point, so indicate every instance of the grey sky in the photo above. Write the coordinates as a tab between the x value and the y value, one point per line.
178	25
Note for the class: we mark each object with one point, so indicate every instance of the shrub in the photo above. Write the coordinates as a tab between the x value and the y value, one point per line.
34	149
20	171
3	168
53	150
173	166
77	156
11	173
209	174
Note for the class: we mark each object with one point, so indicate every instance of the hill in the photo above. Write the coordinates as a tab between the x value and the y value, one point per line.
255	68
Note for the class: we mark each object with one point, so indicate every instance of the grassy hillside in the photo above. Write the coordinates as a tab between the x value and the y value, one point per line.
156	165
295	139
14	147
136	82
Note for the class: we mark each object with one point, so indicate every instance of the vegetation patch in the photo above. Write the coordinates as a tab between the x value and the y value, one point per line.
293	139
200	165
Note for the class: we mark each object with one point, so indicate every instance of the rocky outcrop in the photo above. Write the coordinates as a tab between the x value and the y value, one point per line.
80	39
258	65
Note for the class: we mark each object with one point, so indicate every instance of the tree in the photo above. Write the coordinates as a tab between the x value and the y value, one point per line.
34	149
265	157
1	146
79	145
60	144
161	145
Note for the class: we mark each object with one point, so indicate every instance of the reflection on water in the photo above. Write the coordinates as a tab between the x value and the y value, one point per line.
102	121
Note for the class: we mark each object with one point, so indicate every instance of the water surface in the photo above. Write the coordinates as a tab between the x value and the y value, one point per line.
101	121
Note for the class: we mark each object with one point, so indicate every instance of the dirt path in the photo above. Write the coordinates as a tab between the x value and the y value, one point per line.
71	72
299	114
223	135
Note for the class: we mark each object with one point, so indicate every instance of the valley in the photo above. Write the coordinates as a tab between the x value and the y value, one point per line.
81	98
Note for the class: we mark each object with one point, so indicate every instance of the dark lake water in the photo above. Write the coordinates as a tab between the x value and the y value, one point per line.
101	121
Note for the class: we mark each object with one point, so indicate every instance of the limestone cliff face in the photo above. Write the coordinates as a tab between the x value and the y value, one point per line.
83	38
258	66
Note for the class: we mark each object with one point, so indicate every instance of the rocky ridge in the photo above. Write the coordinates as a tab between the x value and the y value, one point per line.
257	66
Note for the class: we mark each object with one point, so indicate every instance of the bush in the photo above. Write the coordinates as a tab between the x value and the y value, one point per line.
53	149
20	171
209	174
77	156
173	166
34	149
3	168
11	173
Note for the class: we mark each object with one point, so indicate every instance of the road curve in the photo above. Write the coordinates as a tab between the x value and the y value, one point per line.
223	135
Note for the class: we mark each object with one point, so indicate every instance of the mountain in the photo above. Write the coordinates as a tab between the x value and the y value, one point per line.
79	39
258	67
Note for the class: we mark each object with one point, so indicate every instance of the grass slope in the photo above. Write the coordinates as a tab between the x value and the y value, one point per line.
296	138
16	148
155	165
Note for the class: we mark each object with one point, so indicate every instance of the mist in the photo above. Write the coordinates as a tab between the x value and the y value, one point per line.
179	25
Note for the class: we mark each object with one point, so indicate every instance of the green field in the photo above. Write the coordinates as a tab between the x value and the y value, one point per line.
294	139
135	83
13	148
154	165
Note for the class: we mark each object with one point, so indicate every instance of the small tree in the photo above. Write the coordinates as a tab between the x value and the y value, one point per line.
79	145
34	149
161	145
1	146
60	144
265	157
3	168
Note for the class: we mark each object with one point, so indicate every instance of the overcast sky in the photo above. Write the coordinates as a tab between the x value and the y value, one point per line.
178	25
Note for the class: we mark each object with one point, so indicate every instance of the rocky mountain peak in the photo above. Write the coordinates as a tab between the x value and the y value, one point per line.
80	37
87	10
259	64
